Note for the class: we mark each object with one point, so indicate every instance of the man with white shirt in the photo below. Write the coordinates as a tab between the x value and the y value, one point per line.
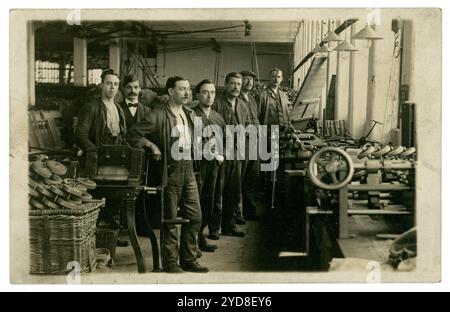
134	110
102	120
167	134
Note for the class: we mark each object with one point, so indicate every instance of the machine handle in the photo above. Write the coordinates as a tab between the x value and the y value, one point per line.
326	164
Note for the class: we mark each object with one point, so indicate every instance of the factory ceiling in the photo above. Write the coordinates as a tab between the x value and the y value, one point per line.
169	31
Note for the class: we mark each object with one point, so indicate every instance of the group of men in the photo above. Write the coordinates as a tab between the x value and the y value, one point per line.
225	191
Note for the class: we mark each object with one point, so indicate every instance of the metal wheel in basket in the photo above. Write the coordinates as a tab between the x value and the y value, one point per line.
45	191
33	193
37	204
50	204
86	197
56	167
91	185
57	191
40	168
75	200
32	182
72	190
67	204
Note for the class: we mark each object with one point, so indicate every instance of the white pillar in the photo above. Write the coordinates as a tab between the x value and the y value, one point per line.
371	86
342	85
427	66
408	57
114	56
358	99
80	61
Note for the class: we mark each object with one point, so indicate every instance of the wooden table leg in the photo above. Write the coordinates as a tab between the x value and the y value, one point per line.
130	200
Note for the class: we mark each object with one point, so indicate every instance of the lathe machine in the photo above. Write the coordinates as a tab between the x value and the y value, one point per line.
323	181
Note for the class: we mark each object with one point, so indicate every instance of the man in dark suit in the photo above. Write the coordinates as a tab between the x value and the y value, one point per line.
234	112
250	168
134	110
210	195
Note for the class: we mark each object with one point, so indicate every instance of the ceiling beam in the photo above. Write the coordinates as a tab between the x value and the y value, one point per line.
260	39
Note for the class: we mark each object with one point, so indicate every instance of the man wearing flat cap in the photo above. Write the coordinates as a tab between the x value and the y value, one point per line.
134	110
250	168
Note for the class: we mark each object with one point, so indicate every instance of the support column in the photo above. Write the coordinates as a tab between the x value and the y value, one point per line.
80	62
351	89
384	65
31	64
371	86
359	84
407	69
342	85
114	56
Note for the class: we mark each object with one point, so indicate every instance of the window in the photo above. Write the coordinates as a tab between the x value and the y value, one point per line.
94	76
50	72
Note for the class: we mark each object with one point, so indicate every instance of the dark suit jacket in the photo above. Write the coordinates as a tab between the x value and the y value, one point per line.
157	129
92	124
267	112
142	113
221	106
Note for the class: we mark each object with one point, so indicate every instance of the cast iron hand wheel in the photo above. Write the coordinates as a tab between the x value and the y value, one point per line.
331	168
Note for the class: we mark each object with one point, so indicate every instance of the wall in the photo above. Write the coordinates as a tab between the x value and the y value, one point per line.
310	33
367	81
199	64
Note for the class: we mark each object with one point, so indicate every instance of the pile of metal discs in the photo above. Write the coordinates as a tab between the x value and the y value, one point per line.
48	189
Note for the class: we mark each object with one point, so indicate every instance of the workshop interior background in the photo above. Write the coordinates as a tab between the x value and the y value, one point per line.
353	94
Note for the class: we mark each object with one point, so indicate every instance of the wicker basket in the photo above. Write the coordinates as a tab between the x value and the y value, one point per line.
58	237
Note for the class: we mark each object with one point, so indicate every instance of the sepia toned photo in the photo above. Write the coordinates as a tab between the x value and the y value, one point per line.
225	146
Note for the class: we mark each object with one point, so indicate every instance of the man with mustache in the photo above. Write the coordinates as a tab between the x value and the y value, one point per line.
178	178
210	196
134	110
273	103
251	168
273	110
234	112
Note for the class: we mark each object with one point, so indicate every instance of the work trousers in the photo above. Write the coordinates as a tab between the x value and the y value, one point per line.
181	191
230	188
251	187
210	197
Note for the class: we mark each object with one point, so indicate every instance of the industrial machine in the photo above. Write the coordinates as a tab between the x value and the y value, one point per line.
324	180
121	174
